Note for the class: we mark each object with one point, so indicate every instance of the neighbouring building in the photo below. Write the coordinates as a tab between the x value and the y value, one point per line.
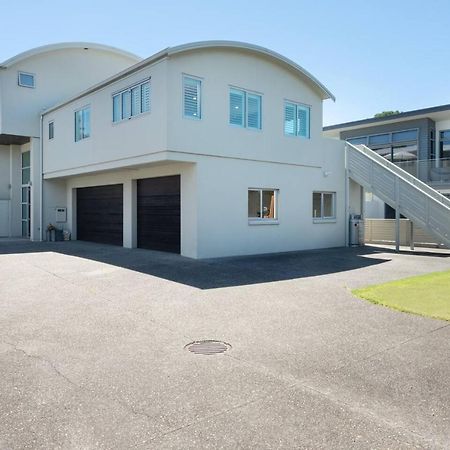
417	141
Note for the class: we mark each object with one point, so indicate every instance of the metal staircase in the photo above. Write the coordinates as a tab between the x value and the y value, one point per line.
405	193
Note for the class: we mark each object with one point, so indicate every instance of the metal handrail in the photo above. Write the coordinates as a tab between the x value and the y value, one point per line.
402	173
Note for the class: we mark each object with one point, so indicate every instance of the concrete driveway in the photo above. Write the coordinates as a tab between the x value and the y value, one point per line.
92	351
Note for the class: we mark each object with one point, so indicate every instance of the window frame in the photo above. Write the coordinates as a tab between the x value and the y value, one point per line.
200	80
297	105
442	141
265	220
21	72
245	114
83	136
128	90
322	218
51	126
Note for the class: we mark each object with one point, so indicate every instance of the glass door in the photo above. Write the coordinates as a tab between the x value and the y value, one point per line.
26	197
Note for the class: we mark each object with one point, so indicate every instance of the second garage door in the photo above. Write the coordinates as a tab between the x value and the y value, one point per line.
158	213
100	214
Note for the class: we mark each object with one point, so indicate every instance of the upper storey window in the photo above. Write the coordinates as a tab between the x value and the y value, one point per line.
245	109
296	120
192	88
131	102
82	123
26	79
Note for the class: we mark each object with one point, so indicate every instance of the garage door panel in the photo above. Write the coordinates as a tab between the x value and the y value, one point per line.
100	214
158	213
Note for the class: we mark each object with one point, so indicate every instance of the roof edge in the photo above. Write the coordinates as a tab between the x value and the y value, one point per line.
412	113
327	94
167	52
66	45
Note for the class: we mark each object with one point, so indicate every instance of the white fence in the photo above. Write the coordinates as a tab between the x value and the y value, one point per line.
382	231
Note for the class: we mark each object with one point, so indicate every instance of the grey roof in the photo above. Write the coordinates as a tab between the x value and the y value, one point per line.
402	115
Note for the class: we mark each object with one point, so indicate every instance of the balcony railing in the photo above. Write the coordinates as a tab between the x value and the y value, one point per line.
430	171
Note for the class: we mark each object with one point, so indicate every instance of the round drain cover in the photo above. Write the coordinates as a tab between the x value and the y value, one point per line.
208	347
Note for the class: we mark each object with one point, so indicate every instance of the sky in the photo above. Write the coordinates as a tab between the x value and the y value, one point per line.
373	55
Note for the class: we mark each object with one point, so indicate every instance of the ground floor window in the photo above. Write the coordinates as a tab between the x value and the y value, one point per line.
262	204
324	205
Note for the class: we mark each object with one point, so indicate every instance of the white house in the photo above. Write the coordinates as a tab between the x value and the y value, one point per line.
207	149
29	83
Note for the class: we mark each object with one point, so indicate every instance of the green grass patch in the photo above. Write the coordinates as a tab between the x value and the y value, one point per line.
426	295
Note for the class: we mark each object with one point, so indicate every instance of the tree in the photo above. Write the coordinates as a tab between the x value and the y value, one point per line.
386	114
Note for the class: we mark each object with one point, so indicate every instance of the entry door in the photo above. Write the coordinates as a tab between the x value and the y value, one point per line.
100	214
158	213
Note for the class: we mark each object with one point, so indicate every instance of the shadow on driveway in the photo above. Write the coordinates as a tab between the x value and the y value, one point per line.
211	273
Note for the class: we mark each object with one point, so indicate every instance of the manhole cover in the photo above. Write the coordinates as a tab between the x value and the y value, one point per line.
208	347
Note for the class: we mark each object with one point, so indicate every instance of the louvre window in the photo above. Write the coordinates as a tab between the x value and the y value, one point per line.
131	102
192	98
296	120
245	109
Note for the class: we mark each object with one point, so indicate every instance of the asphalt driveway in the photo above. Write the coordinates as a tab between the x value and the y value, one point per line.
92	351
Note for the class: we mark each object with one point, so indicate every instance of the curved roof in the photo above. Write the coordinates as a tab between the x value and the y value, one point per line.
167	52
326	93
66	45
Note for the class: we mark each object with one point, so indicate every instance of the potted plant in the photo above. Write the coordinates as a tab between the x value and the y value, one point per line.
51	229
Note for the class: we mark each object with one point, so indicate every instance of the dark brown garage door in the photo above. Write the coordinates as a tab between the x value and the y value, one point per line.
100	214
158	213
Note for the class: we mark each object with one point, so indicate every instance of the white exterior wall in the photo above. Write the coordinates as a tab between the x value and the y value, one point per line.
4	190
111	145
224	228
10	190
59	74
4	172
126	177
220	69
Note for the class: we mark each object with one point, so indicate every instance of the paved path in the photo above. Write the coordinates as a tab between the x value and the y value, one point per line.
92	351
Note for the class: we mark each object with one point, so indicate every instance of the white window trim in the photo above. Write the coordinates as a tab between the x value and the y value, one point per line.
75	131
200	95
322	219
21	72
304	105
262	220
245	115
129	88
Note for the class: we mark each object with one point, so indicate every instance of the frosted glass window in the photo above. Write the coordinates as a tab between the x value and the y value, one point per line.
26	80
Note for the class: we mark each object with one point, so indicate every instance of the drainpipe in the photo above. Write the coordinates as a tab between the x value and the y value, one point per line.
41	170
347	199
